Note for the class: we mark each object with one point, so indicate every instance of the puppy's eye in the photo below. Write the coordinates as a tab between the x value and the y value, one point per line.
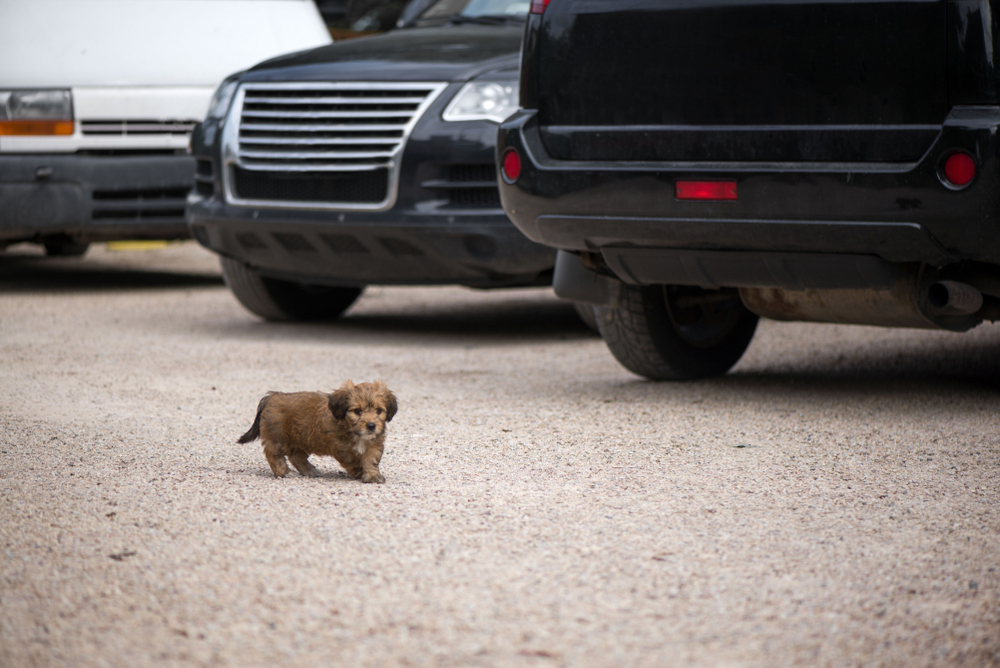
379	411
357	411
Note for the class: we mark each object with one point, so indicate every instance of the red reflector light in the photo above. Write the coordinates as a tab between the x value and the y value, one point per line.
511	165
538	6
721	190
959	169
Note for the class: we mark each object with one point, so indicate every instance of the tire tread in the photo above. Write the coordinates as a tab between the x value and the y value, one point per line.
642	337
281	300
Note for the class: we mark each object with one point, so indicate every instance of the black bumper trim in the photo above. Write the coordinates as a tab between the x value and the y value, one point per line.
896	242
901	212
434	252
716	269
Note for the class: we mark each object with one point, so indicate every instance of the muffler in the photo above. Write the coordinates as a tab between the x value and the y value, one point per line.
916	299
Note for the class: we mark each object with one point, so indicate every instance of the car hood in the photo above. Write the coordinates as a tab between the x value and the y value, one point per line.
443	53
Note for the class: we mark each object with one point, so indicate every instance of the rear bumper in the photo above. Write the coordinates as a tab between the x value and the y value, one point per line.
387	248
899	212
93	198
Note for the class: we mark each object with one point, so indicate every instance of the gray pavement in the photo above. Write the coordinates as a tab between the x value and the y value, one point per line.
834	501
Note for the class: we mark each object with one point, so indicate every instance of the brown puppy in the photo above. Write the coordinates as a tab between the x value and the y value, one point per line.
348	425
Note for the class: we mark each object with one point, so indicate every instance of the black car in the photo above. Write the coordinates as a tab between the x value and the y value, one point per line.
370	161
700	164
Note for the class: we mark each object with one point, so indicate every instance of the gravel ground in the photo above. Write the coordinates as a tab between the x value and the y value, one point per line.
834	501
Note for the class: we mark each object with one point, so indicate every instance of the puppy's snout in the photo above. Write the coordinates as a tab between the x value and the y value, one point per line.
371	426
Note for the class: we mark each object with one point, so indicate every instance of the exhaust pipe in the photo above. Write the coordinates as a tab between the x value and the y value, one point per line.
954	298
916	300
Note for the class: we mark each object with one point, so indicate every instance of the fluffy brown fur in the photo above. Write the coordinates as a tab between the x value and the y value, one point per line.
348	425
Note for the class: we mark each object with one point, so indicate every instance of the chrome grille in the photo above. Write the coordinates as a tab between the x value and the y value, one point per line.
300	132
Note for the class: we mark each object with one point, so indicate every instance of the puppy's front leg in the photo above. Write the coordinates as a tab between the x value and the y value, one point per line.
369	465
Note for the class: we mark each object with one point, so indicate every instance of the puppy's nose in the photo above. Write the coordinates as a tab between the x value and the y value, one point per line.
371	426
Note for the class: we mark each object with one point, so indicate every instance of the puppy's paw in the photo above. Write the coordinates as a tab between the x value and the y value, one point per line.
375	477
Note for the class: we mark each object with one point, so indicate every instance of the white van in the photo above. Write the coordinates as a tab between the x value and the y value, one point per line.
98	99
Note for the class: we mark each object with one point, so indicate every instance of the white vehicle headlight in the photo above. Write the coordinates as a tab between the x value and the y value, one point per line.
223	97
36	112
483	101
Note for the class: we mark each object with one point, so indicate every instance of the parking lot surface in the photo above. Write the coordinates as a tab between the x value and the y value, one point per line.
833	501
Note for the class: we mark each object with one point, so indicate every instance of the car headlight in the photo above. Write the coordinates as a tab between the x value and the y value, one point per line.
36	112
483	101
223	97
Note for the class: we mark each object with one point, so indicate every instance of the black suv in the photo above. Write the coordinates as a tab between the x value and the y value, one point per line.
700	164
369	161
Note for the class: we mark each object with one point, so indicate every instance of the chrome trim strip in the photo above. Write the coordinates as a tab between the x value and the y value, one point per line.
389	160
328	114
323	128
338	100
306	155
364	167
323	141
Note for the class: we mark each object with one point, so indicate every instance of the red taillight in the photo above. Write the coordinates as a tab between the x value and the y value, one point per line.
538	6
725	190
959	169
511	165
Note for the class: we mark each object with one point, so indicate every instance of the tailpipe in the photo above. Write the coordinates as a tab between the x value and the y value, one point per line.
953	298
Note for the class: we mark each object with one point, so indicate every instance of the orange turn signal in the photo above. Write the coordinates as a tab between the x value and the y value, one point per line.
36	128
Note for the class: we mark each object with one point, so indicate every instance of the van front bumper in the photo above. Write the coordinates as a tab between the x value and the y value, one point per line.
94	197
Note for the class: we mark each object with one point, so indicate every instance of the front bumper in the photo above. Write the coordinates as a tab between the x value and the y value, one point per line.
388	248
94	198
900	213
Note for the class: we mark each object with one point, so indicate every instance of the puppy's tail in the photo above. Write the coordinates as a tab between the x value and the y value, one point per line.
254	432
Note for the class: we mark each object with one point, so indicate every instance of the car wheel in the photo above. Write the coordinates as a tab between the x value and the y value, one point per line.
64	247
273	299
587	315
677	332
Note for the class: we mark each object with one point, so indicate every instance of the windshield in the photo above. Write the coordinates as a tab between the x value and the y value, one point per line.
471	9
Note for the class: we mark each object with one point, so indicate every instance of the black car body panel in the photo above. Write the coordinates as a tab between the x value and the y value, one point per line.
443	53
433	217
833	120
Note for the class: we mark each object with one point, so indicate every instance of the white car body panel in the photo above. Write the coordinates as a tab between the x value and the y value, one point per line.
141	60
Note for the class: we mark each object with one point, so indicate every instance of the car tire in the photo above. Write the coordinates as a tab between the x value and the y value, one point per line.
677	332
278	300
65	247
587	315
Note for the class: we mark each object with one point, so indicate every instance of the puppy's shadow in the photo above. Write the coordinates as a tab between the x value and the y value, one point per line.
325	474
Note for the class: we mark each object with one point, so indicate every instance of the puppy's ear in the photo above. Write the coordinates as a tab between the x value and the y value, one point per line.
340	401
390	405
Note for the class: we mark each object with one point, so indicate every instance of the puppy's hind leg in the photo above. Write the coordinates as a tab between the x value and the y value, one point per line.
300	460
275	459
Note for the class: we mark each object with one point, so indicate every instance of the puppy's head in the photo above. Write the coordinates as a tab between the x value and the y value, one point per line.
366	407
